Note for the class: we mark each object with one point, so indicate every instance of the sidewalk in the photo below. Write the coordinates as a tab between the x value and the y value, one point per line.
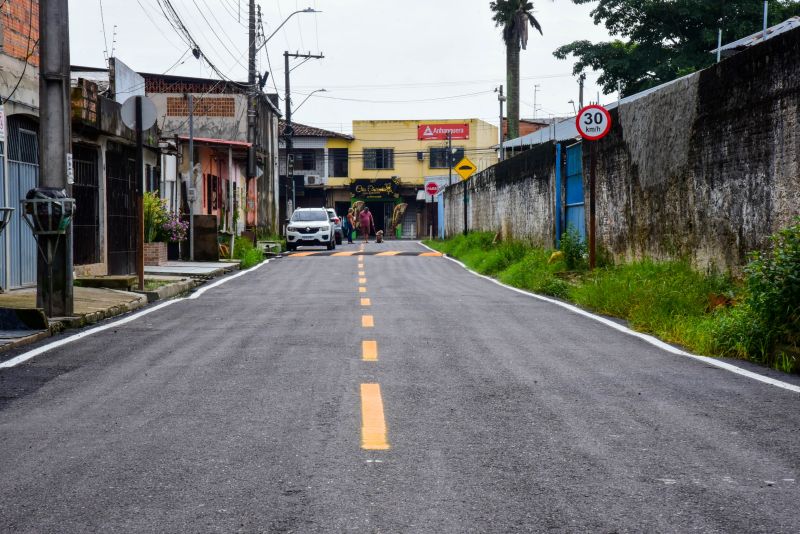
90	306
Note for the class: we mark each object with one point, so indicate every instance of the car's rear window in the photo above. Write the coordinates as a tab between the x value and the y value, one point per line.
316	215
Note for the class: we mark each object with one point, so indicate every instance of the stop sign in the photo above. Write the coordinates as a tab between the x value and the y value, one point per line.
432	188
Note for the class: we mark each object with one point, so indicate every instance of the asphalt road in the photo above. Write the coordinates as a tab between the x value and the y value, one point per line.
479	409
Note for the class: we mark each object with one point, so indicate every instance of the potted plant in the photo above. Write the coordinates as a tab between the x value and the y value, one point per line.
155	215
175	230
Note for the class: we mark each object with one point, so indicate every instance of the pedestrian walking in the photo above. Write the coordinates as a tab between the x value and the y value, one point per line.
350	222
365	219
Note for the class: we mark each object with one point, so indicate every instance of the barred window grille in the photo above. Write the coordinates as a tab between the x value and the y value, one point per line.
438	157
378	158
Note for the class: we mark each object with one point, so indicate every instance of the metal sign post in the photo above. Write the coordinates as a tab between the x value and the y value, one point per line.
593	123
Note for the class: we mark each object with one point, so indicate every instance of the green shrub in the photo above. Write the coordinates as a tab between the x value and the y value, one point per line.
574	249
773	284
248	255
155	216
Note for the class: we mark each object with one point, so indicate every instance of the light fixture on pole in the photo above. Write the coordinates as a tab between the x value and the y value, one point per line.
306	10
309	96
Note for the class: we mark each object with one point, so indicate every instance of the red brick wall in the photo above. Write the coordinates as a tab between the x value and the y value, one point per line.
155	253
224	106
19	29
153	84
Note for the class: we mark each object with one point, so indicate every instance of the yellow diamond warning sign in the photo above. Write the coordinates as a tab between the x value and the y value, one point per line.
465	168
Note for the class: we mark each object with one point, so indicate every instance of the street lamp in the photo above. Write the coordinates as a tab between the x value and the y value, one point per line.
309	96
306	10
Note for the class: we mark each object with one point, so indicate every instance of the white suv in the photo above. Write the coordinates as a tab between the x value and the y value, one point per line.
310	227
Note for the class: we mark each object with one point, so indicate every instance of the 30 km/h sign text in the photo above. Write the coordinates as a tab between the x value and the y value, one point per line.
593	122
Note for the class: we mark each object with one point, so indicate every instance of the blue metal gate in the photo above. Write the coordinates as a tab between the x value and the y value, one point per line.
23	175
574	190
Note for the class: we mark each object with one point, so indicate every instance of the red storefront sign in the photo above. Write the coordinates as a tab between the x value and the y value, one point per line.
438	132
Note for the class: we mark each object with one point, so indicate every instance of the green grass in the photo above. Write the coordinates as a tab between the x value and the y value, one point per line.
152	285
668	299
248	255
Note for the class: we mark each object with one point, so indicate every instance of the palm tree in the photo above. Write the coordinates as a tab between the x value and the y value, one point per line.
514	16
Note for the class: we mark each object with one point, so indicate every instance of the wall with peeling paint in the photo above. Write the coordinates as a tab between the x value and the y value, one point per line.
513	197
704	169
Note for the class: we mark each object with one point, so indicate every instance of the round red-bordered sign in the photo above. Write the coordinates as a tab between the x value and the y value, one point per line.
593	122
432	188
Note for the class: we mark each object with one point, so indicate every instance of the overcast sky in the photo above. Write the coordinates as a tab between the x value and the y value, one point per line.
401	59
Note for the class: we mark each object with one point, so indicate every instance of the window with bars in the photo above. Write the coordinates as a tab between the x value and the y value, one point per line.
339	159
378	158
305	160
438	157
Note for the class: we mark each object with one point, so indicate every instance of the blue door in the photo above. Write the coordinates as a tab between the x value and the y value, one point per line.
23	175
574	190
440	214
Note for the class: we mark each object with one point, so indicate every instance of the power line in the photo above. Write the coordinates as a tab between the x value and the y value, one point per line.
178	25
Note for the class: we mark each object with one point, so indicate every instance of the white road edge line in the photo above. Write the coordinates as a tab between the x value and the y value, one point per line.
645	337
24	357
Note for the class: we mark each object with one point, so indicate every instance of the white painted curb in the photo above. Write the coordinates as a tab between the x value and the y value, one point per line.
625	330
24	357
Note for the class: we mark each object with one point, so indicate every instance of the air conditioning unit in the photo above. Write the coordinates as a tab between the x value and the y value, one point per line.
313	179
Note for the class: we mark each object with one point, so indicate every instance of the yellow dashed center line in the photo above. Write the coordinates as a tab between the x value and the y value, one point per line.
362	273
373	424
367	321
362	289
369	351
366	302
362	281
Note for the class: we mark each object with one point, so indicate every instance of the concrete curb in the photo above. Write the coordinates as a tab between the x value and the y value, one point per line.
169	291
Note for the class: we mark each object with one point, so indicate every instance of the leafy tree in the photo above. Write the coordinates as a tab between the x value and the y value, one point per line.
661	40
514	16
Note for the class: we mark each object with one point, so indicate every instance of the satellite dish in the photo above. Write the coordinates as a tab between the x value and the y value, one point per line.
128	112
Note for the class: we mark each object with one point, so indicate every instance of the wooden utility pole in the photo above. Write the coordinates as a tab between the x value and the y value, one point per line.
55	152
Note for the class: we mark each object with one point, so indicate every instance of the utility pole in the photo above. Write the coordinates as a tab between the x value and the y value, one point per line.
581	80
535	97
766	15
252	93
501	99
192	191
55	140
288	132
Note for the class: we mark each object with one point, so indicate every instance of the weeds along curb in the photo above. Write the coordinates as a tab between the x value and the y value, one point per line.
625	330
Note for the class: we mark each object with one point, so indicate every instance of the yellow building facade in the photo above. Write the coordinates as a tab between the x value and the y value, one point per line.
391	160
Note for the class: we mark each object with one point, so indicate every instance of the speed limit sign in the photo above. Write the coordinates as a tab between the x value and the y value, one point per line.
593	122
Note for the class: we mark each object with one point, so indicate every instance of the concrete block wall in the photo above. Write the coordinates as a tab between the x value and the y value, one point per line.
708	167
514	197
704	169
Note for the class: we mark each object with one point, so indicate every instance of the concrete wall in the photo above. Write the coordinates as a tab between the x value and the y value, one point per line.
230	128
705	168
514	197
708	167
